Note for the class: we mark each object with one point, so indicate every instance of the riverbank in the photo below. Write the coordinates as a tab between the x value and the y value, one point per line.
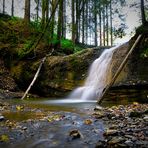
116	126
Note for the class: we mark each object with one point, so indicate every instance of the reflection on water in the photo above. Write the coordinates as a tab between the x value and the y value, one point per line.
77	103
114	97
37	108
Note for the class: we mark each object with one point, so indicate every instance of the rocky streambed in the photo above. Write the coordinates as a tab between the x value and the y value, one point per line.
116	126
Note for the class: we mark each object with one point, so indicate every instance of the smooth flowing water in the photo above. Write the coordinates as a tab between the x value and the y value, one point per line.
99	76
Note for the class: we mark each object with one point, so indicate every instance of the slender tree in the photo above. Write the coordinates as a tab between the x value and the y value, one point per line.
37	9
27	11
73	20
60	21
143	13
64	20
107	26
111	27
86	23
100	24
43	13
47	10
52	24
3	6
83	22
104	27
12	8
96	22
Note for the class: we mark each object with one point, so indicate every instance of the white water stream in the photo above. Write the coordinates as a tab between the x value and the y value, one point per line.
99	76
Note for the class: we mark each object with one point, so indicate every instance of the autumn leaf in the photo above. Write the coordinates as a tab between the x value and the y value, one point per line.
88	121
19	107
54	118
4	138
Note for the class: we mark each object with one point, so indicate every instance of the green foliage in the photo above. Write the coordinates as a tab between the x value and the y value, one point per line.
142	30
19	40
144	54
36	25
26	49
119	33
67	44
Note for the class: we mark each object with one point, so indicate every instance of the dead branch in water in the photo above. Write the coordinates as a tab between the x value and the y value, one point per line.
36	75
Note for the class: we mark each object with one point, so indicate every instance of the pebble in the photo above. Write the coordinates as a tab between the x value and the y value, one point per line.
129	136
75	134
24	128
129	143
146	118
2	118
110	132
98	108
115	140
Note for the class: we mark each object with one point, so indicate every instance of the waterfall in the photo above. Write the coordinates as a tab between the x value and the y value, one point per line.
98	77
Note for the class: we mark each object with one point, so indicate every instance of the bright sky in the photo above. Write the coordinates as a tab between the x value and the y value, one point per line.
132	20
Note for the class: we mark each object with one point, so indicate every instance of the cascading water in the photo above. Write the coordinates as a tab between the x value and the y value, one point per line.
98	77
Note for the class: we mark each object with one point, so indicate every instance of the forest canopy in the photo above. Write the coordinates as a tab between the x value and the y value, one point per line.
91	22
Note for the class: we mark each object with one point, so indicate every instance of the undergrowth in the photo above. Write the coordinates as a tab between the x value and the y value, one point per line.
21	38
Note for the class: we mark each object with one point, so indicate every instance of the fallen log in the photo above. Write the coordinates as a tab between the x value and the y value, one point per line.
119	70
36	75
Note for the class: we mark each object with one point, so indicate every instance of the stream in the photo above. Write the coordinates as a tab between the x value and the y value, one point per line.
36	123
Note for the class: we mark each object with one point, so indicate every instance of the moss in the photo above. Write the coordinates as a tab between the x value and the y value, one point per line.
16	70
142	30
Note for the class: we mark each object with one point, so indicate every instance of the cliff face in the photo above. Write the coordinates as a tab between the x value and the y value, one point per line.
6	80
135	71
61	74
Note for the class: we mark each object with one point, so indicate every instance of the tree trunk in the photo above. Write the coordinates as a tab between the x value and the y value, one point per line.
77	22
95	18
60	21
47	10
27	11
100	24
86	28
143	13
73	21
107	28
37	10
52	21
83	22
43	13
111	26
64	20
3	6
12	8
104	37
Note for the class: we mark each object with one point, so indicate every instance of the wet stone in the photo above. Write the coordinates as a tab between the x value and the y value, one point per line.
100	144
130	137
110	132
75	134
98	115
115	140
146	118
2	118
129	143
121	145
24	128
98	108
